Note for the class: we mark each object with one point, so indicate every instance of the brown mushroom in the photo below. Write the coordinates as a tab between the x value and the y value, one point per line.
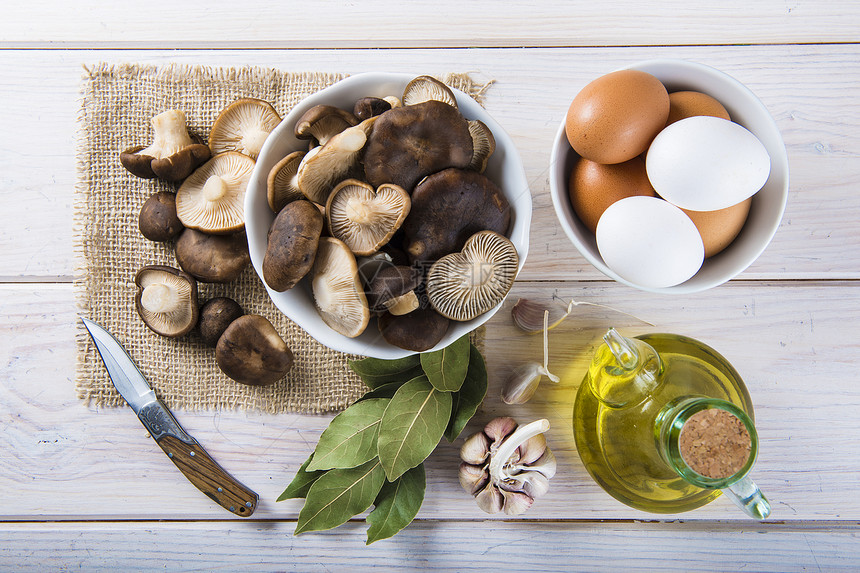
325	166
365	219
252	352
215	316
369	107
173	153
322	122
394	289
464	285
243	126
166	300
338	293
292	244
212	258
449	207
157	220
281	184
212	199
483	143
411	142
427	88
420	330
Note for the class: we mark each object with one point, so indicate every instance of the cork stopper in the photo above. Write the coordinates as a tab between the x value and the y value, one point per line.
714	443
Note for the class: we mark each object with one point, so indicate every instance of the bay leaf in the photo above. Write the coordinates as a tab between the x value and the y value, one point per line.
375	372
340	494
384	391
350	439
470	396
412	425
302	482
396	505
446	369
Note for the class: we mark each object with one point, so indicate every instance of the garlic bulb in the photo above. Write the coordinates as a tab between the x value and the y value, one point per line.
506	467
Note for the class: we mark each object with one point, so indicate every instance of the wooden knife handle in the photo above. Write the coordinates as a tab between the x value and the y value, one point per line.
207	476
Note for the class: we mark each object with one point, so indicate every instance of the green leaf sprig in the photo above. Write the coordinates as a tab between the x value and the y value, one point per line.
373	452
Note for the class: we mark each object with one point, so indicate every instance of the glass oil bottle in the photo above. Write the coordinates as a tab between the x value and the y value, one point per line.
665	424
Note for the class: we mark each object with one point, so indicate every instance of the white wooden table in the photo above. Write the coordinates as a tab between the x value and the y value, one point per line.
86	488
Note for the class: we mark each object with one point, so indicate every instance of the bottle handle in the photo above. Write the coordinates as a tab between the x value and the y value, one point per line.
747	496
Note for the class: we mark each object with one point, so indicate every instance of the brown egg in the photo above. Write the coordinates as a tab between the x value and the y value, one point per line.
615	117
719	228
595	186
689	104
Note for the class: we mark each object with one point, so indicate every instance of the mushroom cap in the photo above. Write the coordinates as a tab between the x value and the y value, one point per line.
166	300
370	106
173	153
281	184
216	315
417	331
464	285
212	258
483	143
252	352
411	142
157	220
365	219
243	126
322	122
212	199
426	88
391	283
449	207
338	293
327	165
292	244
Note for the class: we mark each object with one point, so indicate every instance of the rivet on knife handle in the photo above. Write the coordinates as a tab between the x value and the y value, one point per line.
193	461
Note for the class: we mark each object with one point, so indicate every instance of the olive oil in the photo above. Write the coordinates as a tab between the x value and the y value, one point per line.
619	417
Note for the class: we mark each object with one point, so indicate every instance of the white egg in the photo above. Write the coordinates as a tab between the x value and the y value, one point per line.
706	163
649	242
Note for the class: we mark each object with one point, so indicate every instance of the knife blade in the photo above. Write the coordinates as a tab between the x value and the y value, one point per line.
185	452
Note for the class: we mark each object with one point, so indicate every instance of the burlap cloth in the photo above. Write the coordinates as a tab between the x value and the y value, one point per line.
117	104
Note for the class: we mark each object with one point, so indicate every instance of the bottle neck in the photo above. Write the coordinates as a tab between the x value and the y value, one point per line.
624	371
711	443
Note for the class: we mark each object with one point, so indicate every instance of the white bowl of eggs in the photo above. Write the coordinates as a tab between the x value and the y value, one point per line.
669	176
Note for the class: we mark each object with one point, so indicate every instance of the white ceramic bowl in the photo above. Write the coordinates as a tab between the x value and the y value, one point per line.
767	206
504	168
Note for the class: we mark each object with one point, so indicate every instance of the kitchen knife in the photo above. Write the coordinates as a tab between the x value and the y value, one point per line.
191	459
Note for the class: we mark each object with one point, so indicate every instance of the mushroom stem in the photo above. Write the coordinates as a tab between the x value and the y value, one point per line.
403	304
171	135
215	188
510	444
358	212
159	297
253	141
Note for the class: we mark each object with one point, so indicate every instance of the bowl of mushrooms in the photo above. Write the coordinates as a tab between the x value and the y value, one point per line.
388	214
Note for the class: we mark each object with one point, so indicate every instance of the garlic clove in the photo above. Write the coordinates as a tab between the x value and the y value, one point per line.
528	315
535	484
516	502
522	383
475	449
546	464
473	478
490	499
498	429
532	449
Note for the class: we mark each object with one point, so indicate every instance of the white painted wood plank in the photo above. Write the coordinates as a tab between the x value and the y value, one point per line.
810	90
430	546
795	344
374	24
